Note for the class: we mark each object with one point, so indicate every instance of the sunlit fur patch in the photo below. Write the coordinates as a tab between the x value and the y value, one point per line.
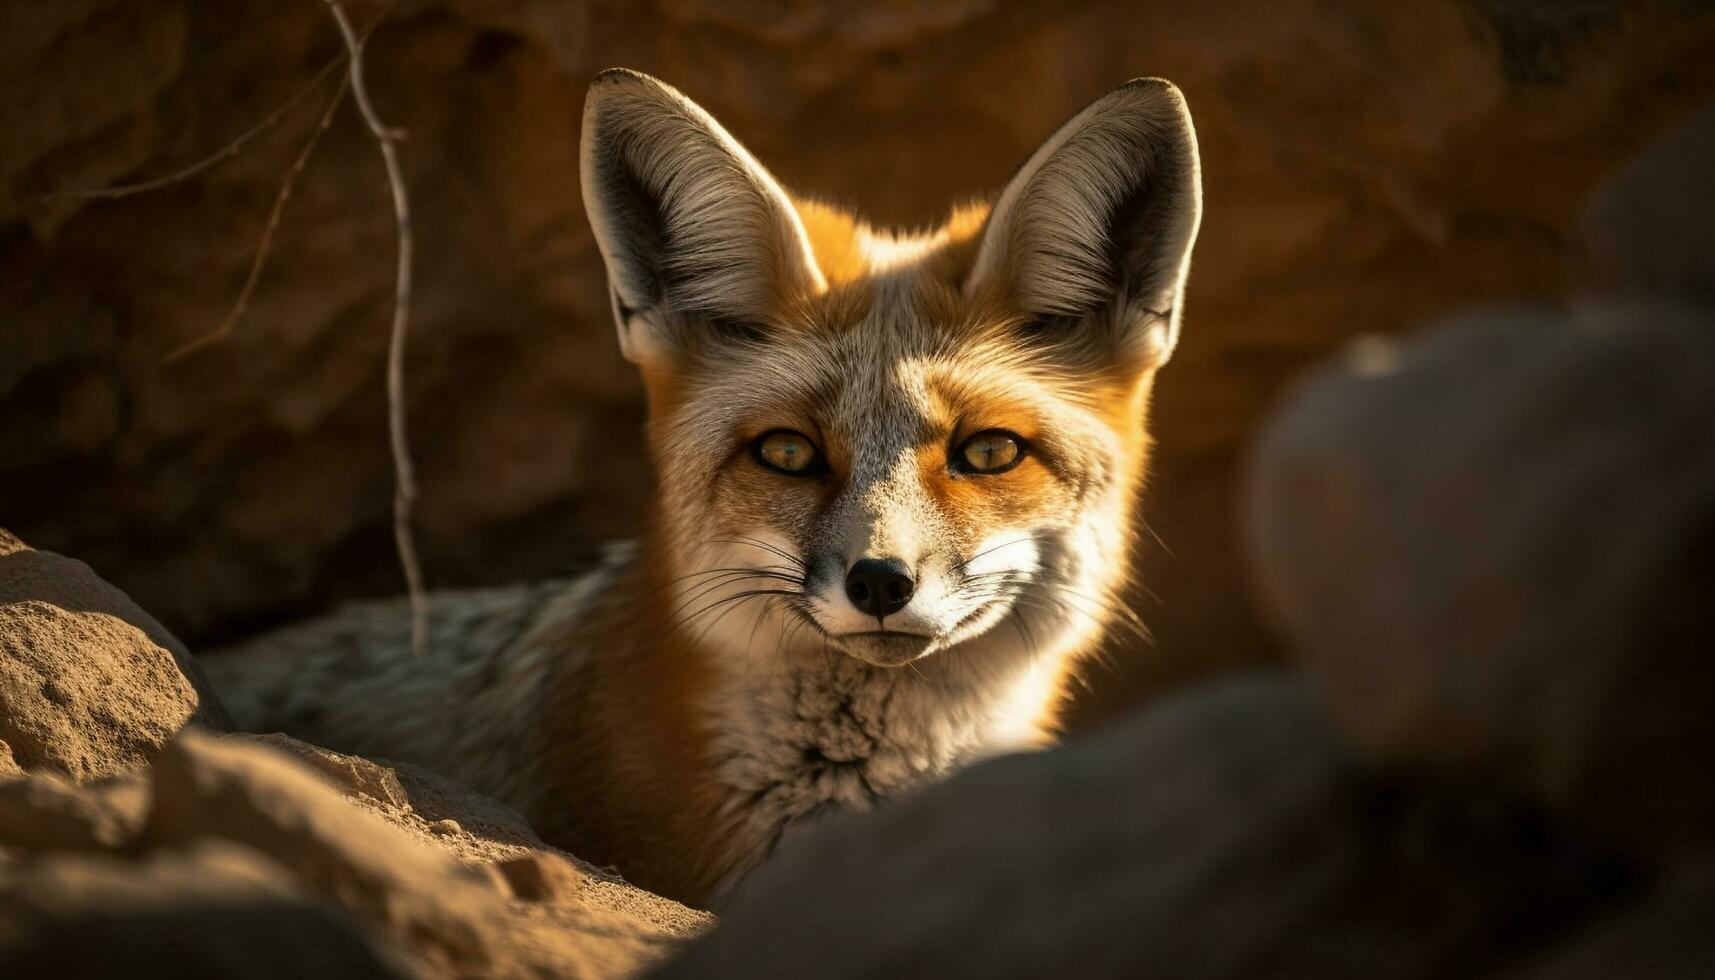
888	371
849	250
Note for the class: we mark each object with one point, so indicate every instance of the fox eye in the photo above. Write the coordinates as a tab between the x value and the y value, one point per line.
992	451
789	452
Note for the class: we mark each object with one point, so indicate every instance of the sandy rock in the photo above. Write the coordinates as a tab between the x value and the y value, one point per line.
543	877
213	910
90	684
27	574
437	897
336	863
1493	547
353	774
43	811
85	694
208	788
1219	834
491	834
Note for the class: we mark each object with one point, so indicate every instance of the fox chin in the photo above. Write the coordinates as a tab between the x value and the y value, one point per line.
895	480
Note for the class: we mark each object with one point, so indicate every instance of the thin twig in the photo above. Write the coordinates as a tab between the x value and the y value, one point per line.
186	173
404	477
241	305
229	150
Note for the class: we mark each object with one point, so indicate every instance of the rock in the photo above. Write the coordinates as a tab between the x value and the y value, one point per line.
1662	934
206	788
435	897
247	843
1651	228
1493	546
353	774
1221	833
28	575
213	910
543	878
43	811
85	695
90	685
1367	166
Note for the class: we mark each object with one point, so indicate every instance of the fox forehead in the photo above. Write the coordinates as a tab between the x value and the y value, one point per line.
889	359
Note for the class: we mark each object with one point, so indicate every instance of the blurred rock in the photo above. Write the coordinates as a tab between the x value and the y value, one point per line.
1664	935
542	878
213	911
1366	165
1221	833
1495	546
1651	229
43	811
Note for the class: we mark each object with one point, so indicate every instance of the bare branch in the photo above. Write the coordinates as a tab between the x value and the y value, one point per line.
229	150
241	305
404	476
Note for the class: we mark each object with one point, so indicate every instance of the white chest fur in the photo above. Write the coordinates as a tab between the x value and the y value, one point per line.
823	731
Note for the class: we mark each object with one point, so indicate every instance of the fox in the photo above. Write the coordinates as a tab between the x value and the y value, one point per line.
895	476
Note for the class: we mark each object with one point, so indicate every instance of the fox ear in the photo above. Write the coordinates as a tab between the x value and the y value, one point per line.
695	233
1097	226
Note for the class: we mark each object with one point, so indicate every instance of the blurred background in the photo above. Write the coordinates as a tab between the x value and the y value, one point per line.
1367	166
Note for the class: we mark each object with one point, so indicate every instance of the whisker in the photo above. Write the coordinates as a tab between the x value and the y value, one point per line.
962	564
778	552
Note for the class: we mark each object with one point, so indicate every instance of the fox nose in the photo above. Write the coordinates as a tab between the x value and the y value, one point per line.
879	586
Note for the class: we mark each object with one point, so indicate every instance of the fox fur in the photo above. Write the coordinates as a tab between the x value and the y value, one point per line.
679	708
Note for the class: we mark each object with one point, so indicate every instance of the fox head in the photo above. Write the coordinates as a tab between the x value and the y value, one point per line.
890	445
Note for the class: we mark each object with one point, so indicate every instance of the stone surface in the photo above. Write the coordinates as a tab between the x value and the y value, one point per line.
1367	165
455	916
1221	833
90	684
85	695
31	576
214	911
208	788
232	844
1494	546
42	811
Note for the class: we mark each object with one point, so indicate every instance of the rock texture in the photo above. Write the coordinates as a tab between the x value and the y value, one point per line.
90	685
1367	165
233	843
